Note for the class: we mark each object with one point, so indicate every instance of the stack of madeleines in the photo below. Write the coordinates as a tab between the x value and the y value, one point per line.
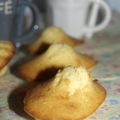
67	90
52	51
7	50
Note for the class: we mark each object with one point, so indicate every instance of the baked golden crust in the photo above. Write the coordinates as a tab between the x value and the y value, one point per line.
87	61
49	36
71	95
3	71
56	57
7	50
7	45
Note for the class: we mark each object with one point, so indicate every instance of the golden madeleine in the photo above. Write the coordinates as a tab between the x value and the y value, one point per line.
70	95
57	56
51	35
7	50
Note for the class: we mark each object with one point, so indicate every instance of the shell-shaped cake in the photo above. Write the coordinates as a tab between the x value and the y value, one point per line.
57	56
7	50
70	95
49	36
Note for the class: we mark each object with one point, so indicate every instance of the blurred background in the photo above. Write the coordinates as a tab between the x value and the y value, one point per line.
115	4
30	20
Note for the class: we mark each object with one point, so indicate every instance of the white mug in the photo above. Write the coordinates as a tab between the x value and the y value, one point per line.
72	15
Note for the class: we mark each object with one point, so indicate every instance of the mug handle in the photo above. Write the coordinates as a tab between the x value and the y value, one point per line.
92	27
34	28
